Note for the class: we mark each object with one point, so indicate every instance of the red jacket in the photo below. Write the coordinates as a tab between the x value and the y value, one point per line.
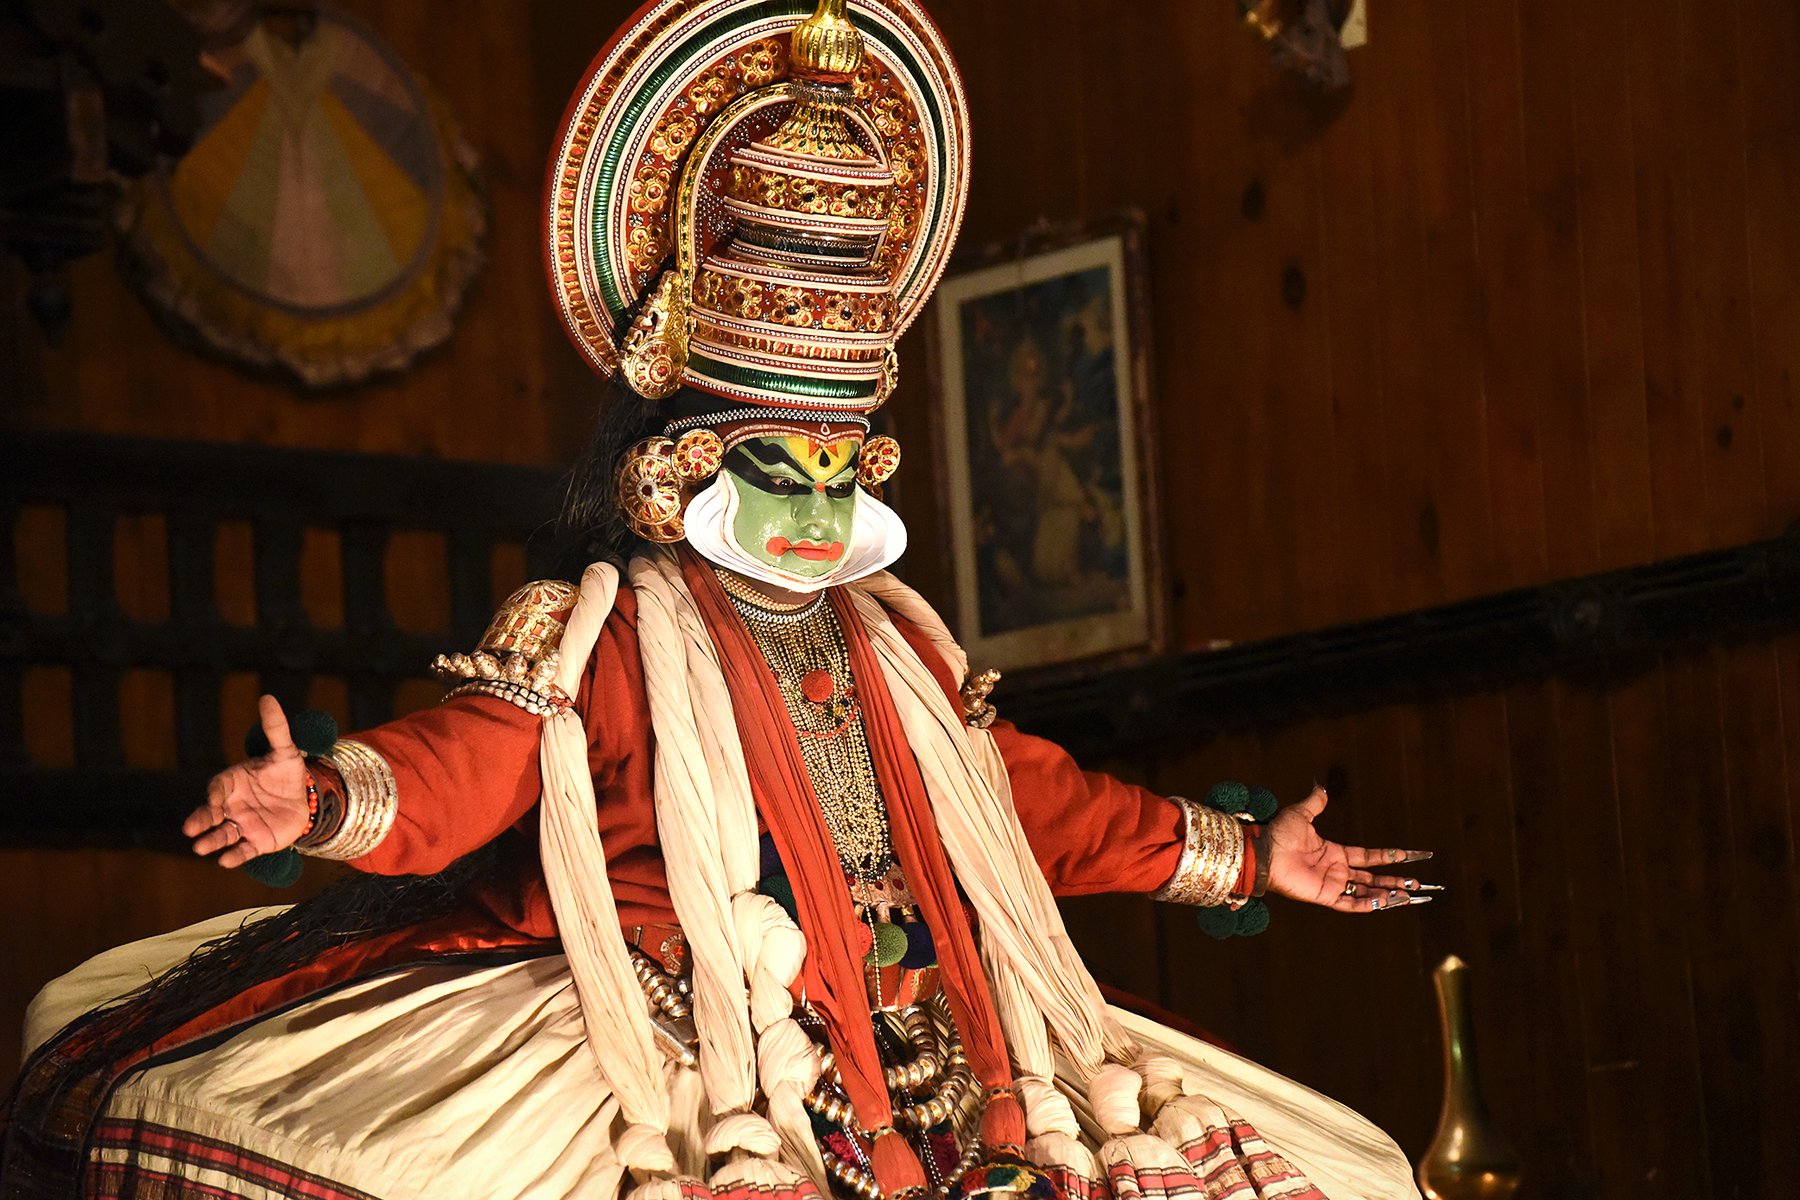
467	773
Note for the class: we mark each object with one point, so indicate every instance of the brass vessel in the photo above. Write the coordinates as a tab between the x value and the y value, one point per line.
1468	1159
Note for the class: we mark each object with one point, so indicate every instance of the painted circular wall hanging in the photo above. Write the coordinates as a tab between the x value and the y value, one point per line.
328	218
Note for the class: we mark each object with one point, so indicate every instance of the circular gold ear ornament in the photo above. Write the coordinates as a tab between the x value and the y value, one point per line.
879	459
652	493
698	455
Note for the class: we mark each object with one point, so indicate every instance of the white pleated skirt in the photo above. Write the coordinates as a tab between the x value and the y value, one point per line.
474	1082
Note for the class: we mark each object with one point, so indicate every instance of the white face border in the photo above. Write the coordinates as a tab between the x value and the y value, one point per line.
877	540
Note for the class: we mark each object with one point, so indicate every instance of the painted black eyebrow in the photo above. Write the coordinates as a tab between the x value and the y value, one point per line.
743	464
782	457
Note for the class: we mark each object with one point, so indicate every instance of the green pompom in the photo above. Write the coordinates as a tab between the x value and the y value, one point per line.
890	946
1219	922
278	870
1253	918
1262	804
315	731
778	889
1247	920
1229	796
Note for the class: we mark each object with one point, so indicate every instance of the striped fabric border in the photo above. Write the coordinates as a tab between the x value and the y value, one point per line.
1224	1164
143	1161
1075	1186
1237	1164
139	1160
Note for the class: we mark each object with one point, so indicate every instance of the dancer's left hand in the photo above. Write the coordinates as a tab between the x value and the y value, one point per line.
1306	866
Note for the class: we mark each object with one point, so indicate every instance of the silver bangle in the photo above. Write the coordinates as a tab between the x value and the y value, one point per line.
1212	858
370	801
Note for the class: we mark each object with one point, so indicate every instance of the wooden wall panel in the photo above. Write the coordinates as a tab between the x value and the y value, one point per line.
1527	305
1549	328
506	387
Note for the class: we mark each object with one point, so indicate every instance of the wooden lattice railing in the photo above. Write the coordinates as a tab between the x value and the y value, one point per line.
89	485
1600	623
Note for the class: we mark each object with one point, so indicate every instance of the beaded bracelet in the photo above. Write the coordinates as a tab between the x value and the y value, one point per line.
314	734
312	804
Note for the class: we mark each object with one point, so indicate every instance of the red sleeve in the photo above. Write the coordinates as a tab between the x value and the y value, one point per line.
466	771
1089	832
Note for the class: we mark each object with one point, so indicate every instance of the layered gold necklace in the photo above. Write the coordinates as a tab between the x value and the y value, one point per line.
805	649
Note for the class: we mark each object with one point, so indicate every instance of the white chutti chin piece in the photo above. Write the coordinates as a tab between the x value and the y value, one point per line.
877	539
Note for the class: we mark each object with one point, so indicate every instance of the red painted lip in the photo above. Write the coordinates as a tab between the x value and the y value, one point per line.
812	551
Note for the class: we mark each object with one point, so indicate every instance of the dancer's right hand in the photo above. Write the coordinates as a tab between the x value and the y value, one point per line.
258	806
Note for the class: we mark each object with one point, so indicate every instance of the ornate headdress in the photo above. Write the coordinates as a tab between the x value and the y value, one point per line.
751	200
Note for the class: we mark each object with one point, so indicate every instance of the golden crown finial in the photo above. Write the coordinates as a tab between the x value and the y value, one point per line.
826	44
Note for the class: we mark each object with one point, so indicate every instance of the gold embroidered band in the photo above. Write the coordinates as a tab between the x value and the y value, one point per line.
370	800
517	659
1212	858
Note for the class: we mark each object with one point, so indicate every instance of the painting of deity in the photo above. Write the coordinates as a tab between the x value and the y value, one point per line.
1042	371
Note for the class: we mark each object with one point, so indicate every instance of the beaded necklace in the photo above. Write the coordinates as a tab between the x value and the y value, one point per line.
805	648
738	588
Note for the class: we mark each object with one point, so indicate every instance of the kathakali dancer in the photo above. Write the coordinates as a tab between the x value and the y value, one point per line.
713	875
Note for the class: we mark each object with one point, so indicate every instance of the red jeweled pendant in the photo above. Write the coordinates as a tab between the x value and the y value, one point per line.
817	686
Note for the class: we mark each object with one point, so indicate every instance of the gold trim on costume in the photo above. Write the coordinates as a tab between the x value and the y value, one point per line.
518	656
977	712
1212	858
532	620
370	800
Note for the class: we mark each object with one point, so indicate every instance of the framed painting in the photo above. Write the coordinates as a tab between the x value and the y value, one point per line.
1042	372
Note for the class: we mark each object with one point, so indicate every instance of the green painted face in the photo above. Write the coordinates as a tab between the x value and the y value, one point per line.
796	500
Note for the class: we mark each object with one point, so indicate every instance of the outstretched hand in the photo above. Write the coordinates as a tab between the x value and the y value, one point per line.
258	806
1305	866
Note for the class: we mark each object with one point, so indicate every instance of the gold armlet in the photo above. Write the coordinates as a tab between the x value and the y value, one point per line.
370	800
517	658
1212	858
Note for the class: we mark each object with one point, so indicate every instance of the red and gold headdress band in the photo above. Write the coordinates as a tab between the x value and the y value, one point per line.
754	198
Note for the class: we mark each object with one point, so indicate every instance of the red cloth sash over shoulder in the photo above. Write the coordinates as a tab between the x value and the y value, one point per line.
833	974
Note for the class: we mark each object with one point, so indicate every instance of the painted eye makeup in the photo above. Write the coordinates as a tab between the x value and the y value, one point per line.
763	476
751	472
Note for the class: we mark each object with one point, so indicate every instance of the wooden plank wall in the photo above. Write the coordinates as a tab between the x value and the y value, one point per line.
1541	318
1548	328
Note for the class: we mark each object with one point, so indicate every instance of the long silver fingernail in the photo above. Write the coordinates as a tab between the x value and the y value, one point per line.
1419	899
1428	887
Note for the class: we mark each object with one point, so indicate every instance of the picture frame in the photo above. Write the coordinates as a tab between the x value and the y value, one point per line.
1040	356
